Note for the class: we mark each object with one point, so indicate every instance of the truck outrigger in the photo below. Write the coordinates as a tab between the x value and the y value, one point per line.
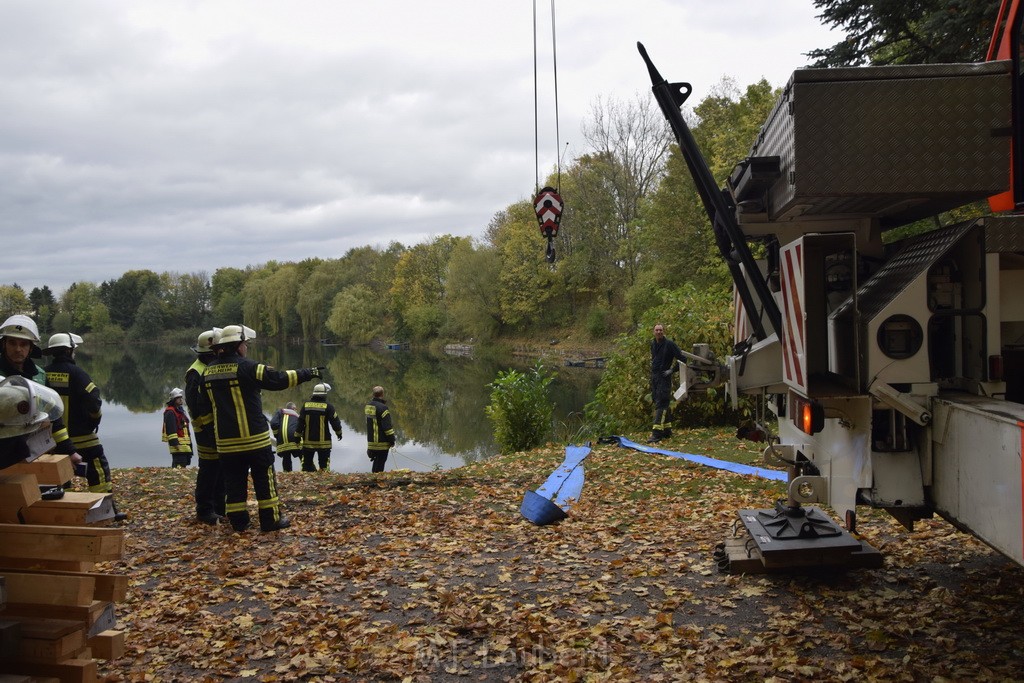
895	371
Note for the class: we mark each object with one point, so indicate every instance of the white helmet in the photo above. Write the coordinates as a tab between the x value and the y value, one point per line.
206	340
175	393
235	333
66	340
22	327
321	389
26	405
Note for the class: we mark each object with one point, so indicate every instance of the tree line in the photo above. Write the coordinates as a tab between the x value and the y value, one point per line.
630	227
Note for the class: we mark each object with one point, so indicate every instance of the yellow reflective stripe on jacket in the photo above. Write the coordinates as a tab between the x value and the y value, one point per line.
85	441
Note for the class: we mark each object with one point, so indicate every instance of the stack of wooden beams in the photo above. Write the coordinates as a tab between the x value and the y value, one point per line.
56	612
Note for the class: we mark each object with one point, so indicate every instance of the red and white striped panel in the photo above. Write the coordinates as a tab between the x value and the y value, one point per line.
793	335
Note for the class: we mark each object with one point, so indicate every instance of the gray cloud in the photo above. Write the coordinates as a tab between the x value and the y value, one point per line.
189	136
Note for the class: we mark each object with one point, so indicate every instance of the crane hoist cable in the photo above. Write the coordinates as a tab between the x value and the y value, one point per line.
548	202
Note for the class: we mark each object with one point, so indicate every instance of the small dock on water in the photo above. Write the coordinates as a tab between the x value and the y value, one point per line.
595	362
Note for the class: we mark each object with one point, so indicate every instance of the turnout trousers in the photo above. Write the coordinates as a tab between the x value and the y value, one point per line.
97	471
209	487
323	456
379	459
661	395
238	467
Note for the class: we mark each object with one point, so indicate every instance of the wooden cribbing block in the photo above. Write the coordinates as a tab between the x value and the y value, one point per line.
73	509
46	542
51	649
48	565
107	645
49	468
68	671
17	492
97	617
52	589
111	587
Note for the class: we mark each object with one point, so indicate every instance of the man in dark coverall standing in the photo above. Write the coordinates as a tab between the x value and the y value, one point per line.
664	354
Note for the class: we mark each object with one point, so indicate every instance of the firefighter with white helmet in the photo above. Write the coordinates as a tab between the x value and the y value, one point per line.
231	392
19	344
316	420
210	479
175	432
82	409
26	409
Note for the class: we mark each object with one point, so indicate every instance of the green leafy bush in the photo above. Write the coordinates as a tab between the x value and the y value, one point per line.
520	408
597	322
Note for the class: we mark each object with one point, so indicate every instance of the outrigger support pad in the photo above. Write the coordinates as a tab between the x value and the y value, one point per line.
789	538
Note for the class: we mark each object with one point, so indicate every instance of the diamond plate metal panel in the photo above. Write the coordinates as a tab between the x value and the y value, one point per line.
1004	234
896	143
917	257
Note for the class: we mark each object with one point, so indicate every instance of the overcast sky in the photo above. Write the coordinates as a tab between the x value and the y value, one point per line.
189	135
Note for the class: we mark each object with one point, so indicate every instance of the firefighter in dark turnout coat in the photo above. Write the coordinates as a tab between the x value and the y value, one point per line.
19	344
380	432
285	426
209	479
231	387
82	410
316	418
175	430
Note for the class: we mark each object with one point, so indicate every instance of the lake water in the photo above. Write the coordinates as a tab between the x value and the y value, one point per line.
437	400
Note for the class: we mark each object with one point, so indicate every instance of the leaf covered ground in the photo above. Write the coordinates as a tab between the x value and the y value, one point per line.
436	577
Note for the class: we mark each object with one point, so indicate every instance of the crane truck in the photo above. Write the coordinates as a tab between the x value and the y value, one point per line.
893	369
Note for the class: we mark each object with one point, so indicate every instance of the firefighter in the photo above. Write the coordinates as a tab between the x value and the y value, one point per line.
82	410
664	354
380	433
27	411
231	391
19	344
316	416
285	426
176	431
209	493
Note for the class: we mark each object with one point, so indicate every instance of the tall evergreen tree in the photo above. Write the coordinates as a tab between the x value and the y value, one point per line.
901	32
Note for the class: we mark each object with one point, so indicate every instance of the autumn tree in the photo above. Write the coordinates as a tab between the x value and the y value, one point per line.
420	287
678	243
226	295
13	300
356	315
528	287
188	299
473	274
123	296
631	141
256	294
78	308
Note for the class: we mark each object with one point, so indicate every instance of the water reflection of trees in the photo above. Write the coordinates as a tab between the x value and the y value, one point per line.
438	400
